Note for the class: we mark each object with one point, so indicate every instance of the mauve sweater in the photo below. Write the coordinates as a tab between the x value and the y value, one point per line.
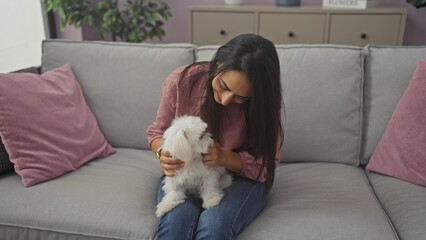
178	100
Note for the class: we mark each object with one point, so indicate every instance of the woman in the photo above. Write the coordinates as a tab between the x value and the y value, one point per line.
238	94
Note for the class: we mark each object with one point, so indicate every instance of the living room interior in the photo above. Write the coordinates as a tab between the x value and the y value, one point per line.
81	81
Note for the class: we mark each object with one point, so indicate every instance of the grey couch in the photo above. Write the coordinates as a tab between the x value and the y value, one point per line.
338	100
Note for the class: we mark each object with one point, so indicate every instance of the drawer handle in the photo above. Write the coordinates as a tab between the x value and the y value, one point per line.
363	36
291	34
222	32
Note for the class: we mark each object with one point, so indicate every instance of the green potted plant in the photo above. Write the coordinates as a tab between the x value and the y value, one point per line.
135	21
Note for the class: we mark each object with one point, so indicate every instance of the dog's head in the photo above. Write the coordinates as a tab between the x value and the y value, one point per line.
186	138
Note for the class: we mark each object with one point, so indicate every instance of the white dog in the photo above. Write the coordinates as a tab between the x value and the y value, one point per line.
186	140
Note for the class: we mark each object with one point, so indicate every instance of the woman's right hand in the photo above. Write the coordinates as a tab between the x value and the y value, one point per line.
169	164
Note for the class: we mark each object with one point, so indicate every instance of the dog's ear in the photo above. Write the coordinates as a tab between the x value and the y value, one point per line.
181	146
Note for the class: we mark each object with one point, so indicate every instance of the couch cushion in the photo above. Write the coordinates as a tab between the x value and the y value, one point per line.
109	198
206	53
404	202
322	87
320	201
388	70
121	81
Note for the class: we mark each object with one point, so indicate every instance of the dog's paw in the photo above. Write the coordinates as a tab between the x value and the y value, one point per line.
166	206
225	181
211	202
161	211
163	208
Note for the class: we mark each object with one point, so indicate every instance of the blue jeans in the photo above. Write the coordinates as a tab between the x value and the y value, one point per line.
243	200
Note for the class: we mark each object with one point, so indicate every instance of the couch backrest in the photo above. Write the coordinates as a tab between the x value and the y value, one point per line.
388	70
121	81
323	87
322	90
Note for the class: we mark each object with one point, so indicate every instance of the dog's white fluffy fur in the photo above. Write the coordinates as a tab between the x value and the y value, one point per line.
186	140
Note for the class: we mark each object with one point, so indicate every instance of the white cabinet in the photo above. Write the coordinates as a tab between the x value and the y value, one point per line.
220	27
293	27
362	29
217	24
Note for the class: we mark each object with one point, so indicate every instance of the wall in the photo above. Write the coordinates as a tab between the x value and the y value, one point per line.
21	31
415	27
177	30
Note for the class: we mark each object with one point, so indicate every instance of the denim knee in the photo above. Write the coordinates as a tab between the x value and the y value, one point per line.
212	226
237	209
180	222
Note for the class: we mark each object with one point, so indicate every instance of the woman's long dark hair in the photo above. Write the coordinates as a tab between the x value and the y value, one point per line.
258	59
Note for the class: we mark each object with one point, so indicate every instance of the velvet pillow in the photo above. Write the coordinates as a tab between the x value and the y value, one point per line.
46	125
5	164
401	152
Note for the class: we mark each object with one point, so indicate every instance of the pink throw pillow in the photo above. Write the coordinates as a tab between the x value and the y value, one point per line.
401	152
46	125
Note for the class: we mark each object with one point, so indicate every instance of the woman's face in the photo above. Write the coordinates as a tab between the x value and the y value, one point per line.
231	86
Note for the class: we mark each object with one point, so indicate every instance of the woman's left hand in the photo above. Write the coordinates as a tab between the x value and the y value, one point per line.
230	160
214	157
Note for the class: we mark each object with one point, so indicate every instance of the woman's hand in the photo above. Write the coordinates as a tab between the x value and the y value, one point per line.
214	157
169	164
224	158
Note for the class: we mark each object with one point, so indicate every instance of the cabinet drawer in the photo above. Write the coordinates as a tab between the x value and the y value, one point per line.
360	30
220	27
286	28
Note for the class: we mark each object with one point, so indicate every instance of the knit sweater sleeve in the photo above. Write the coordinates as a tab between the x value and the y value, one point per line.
167	108
252	166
